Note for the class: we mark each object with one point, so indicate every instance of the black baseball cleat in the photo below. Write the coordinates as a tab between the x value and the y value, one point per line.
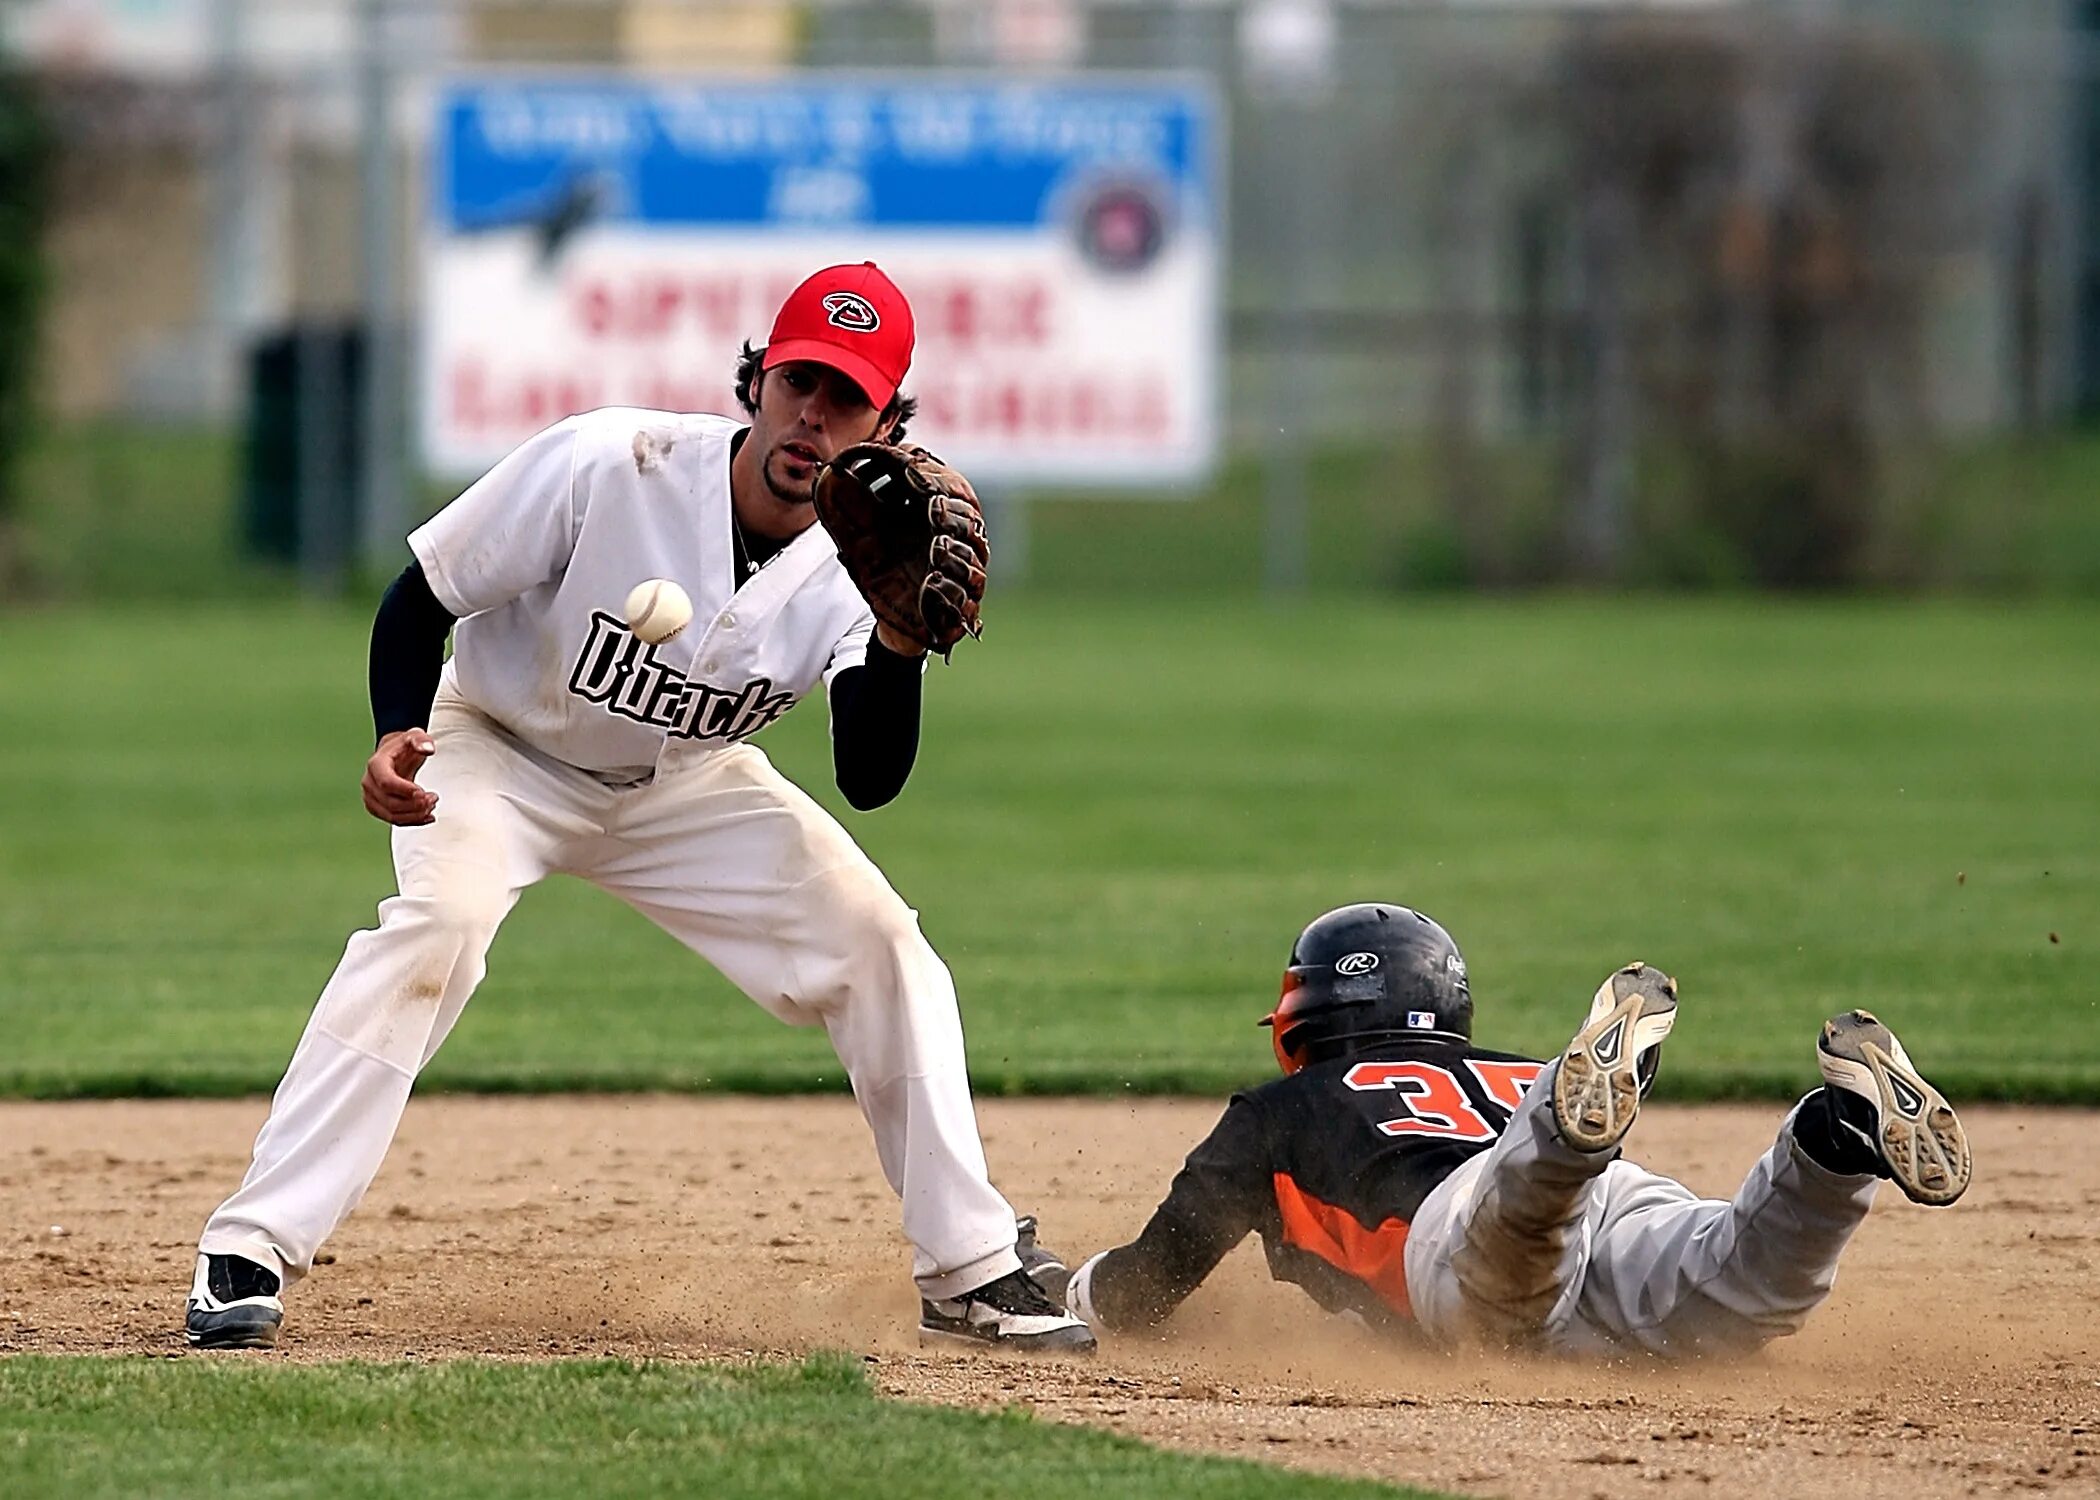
233	1304
1045	1267
1606	1070
1880	1101
1010	1313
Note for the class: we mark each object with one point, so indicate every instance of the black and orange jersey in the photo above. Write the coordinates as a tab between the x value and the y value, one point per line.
1329	1166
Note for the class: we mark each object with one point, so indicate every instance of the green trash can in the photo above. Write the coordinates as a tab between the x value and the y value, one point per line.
302	456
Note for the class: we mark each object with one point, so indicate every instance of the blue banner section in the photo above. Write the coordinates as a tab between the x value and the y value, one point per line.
901	152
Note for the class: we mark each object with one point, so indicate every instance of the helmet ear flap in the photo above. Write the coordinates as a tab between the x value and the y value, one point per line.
1277	1021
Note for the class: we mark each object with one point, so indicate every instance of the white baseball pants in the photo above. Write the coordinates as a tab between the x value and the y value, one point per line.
1534	1244
722	852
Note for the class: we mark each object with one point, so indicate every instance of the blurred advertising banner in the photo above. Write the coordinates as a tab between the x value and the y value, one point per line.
613	242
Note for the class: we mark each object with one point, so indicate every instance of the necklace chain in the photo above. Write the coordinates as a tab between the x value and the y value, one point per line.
748	561
746	566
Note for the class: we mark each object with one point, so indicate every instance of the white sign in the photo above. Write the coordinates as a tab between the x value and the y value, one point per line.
598	243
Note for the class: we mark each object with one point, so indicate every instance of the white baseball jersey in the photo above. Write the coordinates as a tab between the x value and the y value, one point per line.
537	559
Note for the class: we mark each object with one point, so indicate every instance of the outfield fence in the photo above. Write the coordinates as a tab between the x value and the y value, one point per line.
1788	295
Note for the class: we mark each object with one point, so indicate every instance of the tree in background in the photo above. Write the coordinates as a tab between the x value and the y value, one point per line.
25	153
1723	241
1760	211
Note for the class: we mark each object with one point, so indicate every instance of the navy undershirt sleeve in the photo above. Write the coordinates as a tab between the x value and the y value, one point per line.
1218	1198
408	653
875	726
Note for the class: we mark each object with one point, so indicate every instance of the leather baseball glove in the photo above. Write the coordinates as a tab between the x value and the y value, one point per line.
911	536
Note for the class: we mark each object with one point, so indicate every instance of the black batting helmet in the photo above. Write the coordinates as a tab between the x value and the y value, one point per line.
1367	973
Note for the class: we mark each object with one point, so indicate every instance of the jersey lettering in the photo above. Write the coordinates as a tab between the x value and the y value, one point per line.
619	671
1435	1102
1504	1082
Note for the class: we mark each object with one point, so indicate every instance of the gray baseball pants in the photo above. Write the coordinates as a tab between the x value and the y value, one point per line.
1536	1245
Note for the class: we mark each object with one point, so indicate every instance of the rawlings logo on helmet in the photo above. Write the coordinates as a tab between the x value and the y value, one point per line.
852	312
1356	963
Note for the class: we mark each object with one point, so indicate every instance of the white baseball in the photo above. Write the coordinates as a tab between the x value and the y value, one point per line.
658	609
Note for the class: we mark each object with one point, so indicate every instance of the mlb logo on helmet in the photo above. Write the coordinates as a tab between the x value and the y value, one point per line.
851	318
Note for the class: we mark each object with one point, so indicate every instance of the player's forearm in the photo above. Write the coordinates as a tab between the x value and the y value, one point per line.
408	653
1137	1285
875	726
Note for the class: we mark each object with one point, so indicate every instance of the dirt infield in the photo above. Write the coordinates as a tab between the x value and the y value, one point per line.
1960	1354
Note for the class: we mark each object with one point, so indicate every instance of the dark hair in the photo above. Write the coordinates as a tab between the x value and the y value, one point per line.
751	363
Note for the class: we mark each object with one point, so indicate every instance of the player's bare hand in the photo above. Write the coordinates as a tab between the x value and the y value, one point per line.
391	793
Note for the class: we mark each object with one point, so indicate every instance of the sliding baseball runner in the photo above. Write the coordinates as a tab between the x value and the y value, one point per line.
1415	1182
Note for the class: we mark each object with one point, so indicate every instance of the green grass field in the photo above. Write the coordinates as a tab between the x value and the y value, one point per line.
100	1427
121	509
1122	816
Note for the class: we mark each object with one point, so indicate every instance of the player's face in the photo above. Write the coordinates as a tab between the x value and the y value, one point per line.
807	414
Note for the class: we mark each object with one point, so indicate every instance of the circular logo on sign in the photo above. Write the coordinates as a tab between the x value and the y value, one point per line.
1356	963
1122	226
852	312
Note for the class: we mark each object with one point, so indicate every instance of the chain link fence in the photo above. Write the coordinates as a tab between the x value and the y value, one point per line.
1796	295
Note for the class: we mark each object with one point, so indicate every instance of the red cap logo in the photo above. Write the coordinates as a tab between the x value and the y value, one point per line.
851	318
852	312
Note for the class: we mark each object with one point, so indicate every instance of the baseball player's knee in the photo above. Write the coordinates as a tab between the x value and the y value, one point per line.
866	941
865	915
399	988
449	919
472	912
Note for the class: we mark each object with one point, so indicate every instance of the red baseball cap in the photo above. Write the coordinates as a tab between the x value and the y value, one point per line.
851	318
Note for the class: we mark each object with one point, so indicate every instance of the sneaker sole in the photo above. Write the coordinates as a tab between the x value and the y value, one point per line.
1597	1089
1063	1341
237	1333
256	1338
1920	1136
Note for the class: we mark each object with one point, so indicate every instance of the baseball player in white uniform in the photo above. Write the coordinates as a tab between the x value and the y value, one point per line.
1413	1181
555	740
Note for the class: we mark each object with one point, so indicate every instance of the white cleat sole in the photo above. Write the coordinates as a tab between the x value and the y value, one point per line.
1919	1136
1597	1087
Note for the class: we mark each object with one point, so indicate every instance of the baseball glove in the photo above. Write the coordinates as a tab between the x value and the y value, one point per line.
911	537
